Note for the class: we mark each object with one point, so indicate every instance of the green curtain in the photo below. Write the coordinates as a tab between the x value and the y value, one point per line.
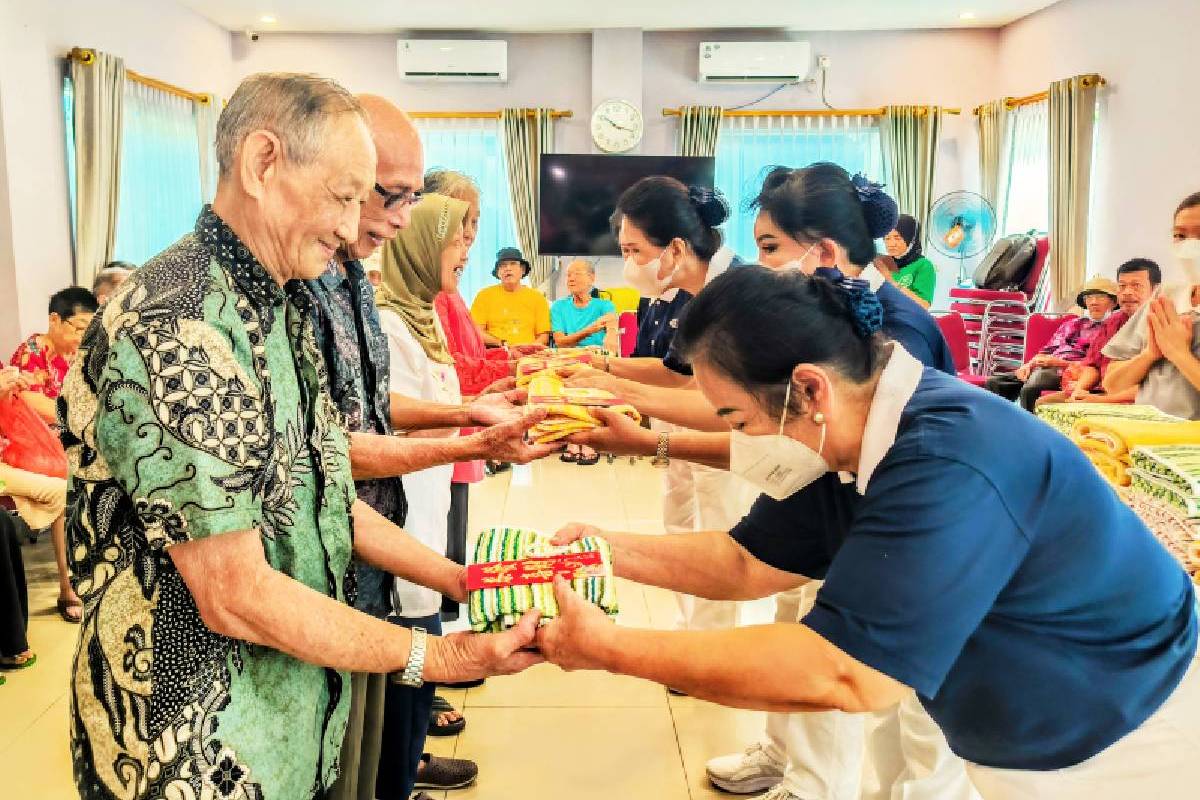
991	119
699	128
1072	133
910	143
98	87
528	132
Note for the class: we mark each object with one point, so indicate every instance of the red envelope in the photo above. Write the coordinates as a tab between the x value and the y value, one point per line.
527	571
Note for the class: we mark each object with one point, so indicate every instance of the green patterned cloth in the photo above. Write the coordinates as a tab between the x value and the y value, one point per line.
499	609
195	408
1170	473
1063	416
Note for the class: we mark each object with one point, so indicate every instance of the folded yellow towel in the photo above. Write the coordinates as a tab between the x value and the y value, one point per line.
1111	468
1117	436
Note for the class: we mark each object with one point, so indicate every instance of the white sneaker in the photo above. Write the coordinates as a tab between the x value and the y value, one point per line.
747	772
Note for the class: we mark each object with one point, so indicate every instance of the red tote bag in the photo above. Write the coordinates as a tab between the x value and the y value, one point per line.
32	446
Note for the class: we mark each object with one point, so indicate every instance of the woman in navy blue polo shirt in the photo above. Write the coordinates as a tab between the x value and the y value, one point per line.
1047	632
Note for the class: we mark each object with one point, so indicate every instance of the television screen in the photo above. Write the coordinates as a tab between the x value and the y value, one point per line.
579	194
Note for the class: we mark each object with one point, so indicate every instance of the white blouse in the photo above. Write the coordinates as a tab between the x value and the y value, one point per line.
413	374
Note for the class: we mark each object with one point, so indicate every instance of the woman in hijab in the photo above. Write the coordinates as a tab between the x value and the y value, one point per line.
914	273
422	367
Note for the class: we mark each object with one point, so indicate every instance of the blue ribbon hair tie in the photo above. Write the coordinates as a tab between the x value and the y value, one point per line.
868	313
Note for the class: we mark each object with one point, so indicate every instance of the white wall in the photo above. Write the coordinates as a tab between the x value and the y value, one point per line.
1149	148
157	38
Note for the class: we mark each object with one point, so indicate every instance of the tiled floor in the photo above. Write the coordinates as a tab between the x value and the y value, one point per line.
542	735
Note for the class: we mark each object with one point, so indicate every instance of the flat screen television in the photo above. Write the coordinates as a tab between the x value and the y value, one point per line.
579	194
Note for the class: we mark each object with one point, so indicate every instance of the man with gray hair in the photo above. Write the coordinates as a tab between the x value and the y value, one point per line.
108	279
210	525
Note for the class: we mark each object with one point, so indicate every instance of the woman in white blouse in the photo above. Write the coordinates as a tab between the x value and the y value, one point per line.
415	264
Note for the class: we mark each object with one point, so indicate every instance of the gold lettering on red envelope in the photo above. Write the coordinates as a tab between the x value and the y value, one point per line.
527	571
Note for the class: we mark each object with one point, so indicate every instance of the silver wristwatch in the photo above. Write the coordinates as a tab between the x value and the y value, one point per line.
413	671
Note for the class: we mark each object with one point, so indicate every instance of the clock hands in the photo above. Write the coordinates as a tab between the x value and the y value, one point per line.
614	124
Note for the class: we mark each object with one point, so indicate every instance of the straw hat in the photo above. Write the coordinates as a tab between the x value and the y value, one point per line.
1097	285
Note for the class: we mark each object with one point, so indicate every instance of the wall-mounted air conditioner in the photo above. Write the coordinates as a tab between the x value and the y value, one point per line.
755	62
476	61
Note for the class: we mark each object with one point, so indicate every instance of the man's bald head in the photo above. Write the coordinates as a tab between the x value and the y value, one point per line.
399	170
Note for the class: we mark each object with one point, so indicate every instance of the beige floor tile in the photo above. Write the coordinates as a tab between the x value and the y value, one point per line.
547	686
705	730
573	754
38	763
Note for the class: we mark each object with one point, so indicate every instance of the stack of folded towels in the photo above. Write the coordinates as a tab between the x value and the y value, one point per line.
568	407
1165	492
1063	416
497	609
554	361
1107	441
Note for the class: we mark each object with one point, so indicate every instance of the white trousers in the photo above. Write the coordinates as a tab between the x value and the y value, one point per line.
898	754
1158	761
699	498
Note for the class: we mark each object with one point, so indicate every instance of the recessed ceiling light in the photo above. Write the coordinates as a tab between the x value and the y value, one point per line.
967	16
267	19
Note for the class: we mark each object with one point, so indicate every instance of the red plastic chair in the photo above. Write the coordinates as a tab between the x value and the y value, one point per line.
955	330
1039	330
996	320
627	327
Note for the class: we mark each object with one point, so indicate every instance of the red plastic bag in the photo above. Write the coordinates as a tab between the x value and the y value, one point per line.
32	446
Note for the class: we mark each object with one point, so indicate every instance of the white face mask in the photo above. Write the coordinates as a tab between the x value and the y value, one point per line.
775	463
798	263
644	277
1187	254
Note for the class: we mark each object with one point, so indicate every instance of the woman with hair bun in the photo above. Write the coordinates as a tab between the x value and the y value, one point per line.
1007	589
669	237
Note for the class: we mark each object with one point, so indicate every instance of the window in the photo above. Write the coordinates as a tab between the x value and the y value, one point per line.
749	146
1026	204
473	147
160	195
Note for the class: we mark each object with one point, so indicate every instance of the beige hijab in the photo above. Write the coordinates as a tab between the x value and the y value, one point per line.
412	270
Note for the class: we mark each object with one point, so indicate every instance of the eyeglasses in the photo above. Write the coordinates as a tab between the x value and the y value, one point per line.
390	199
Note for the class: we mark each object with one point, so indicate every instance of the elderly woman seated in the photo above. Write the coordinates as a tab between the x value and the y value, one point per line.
578	320
1069	345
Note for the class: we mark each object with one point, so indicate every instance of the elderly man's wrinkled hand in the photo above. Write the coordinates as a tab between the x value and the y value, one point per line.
470	656
507	442
577	638
618	435
495	408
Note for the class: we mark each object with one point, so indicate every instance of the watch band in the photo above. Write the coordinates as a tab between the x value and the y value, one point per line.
414	670
662	456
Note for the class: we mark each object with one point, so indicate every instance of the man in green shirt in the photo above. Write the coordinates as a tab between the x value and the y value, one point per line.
210	525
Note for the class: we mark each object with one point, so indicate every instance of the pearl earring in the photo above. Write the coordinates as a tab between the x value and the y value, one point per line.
819	418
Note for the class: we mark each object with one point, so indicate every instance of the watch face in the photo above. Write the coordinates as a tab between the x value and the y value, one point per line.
616	126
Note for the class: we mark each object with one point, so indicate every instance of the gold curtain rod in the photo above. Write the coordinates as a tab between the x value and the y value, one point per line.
478	114
806	112
87	56
1016	102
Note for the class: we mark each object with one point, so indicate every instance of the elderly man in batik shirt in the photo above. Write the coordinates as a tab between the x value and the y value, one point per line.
210	526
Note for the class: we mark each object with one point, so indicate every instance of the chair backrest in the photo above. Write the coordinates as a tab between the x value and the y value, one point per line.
955	330
1039	329
627	324
1040	257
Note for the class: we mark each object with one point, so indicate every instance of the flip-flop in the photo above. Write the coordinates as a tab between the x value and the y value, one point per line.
587	461
10	663
437	728
66	606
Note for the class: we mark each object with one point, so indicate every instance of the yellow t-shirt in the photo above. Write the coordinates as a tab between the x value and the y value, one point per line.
512	317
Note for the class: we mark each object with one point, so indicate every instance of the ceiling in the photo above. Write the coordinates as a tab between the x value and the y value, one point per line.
390	16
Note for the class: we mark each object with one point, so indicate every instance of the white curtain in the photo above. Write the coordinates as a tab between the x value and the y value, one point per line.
528	132
473	147
749	146
1025	197
95	129
206	140
161	191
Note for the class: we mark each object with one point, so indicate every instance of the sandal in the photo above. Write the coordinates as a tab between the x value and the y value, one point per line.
436	726
70	611
587	461
569	457
23	661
